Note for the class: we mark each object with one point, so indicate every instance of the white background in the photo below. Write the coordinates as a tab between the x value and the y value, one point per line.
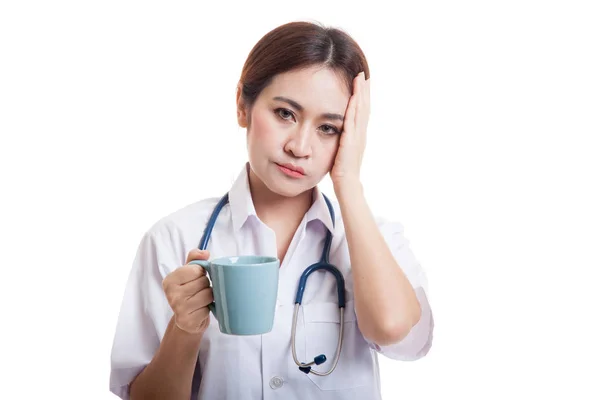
483	142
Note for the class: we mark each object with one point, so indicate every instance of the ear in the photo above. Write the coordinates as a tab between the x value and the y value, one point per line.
241	107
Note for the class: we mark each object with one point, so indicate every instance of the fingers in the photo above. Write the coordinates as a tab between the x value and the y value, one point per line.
188	292
368	89
197	294
363	103
367	96
359	102
191	288
183	275
199	300
197	254
188	272
350	116
362	88
358	84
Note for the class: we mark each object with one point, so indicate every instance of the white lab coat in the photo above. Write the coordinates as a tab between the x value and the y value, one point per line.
262	367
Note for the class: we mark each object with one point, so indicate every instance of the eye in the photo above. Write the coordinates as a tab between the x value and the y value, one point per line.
284	113
330	130
288	115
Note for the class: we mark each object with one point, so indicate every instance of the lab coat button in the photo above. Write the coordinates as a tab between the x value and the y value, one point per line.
276	382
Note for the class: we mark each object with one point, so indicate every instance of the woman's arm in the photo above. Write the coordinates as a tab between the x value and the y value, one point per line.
385	302
169	374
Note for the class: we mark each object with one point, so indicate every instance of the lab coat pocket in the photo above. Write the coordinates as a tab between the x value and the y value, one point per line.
322	327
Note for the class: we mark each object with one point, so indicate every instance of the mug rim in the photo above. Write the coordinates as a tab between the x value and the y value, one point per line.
225	261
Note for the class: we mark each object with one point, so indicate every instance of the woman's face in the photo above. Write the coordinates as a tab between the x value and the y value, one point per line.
296	121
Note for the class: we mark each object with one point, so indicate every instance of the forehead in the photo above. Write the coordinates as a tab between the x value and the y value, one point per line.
318	89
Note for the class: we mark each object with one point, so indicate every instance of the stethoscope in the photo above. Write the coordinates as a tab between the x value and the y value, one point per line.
323	264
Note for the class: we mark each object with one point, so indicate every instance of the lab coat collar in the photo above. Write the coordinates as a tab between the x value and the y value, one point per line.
319	210
242	206
240	199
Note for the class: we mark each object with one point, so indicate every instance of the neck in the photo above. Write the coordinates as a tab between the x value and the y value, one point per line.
271	207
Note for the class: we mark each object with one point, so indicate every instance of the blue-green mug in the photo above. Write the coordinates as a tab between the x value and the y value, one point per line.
244	291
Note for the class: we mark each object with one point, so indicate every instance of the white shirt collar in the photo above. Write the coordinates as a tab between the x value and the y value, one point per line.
242	206
319	210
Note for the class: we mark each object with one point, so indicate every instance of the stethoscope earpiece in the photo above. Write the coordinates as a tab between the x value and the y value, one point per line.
306	370
318	361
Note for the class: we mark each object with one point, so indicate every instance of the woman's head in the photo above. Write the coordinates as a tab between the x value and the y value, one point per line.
292	97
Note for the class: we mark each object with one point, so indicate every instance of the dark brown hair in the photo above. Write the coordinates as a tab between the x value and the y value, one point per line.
297	45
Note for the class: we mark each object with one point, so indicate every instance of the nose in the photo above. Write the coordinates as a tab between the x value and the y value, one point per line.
298	143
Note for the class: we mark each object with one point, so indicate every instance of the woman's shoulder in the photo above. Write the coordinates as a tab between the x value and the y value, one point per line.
385	222
185	218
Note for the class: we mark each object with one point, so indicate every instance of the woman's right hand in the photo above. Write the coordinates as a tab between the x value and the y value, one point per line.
189	293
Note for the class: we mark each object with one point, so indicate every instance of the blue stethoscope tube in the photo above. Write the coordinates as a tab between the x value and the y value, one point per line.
323	264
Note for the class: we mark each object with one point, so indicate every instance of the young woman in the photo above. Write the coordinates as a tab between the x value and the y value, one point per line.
303	97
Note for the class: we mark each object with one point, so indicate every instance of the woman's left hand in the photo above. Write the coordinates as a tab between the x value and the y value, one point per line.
353	140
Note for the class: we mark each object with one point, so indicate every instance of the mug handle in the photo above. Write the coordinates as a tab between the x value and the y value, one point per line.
206	265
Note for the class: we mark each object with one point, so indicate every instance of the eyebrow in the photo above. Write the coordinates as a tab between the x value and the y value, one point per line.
298	107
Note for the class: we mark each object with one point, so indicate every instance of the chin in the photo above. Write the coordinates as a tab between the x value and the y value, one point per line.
283	189
286	187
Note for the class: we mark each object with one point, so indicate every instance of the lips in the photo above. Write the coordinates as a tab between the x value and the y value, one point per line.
293	168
